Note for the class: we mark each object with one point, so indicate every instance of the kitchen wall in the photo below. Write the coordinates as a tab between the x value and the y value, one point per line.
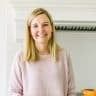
81	44
3	48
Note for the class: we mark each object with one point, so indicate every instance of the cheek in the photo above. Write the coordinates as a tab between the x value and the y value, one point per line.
50	32
33	35
33	31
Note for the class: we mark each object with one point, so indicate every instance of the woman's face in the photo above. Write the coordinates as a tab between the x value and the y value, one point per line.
41	29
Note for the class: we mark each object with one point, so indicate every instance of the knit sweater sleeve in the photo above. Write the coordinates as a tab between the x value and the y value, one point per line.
71	81
15	81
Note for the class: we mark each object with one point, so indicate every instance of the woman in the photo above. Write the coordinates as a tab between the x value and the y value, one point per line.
42	68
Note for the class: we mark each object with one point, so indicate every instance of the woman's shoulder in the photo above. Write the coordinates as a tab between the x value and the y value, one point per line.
19	55
64	52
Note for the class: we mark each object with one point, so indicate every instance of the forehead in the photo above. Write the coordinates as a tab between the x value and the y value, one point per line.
40	18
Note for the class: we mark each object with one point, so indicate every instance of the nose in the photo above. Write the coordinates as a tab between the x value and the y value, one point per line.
41	29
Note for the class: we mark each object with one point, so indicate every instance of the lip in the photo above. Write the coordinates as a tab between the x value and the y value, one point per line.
42	36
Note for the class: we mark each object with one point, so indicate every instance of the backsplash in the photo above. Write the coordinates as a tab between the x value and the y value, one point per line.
84	26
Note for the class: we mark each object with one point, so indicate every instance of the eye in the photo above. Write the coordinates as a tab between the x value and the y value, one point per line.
46	24
35	26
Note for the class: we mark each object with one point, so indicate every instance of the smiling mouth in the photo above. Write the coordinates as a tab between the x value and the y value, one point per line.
42	36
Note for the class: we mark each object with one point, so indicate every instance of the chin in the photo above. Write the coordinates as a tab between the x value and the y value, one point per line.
42	41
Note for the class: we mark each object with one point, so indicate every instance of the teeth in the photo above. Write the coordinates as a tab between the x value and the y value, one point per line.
42	35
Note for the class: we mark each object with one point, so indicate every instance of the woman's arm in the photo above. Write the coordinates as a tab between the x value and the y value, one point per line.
71	81
15	81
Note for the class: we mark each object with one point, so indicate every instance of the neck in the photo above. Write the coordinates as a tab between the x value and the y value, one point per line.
42	48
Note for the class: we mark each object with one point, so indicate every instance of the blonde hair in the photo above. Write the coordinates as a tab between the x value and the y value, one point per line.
30	52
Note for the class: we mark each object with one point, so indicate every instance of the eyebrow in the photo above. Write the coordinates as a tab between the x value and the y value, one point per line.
42	22
46	22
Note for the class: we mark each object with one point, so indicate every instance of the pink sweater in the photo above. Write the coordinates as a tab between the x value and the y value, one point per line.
42	78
